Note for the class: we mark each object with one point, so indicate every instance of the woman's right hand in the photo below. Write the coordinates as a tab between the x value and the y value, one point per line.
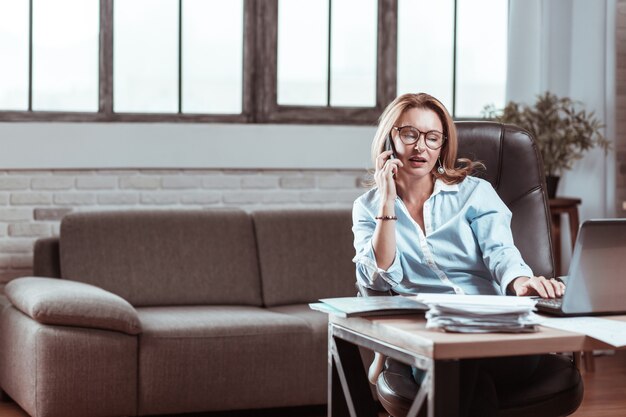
386	168
384	238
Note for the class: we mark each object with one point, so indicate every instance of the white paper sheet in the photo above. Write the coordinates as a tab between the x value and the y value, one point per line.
479	304
612	332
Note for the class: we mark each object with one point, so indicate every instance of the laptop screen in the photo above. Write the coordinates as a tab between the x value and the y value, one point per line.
597	274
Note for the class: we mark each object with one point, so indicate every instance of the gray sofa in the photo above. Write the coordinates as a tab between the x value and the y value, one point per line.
160	312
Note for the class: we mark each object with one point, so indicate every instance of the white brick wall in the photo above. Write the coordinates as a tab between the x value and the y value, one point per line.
33	202
96	182
52	183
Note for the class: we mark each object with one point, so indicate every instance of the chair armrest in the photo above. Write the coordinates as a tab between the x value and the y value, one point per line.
70	303
378	362
368	292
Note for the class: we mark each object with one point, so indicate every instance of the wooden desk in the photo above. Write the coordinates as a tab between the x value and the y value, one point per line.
406	339
558	206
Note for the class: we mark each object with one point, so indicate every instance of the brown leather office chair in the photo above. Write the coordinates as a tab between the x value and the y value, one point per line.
514	168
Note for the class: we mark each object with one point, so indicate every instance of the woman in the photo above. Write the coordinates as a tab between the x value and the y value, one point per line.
428	226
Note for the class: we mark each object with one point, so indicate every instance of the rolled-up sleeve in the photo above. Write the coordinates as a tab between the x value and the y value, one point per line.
368	273
490	220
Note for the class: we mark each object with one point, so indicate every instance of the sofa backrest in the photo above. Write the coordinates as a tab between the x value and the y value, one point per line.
164	257
304	255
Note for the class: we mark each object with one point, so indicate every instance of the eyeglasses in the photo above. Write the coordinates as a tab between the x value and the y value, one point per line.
410	135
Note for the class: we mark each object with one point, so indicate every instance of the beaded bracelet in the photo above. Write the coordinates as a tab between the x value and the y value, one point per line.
386	218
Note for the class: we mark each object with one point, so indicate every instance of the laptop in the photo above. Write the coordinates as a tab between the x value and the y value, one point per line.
596	283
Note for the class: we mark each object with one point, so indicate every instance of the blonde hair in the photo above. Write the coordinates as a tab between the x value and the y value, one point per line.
453	174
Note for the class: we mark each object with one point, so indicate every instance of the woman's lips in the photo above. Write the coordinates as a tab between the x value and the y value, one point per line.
417	161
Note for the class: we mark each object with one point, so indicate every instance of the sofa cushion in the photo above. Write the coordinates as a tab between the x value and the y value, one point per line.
305	255
315	320
70	303
207	358
164	257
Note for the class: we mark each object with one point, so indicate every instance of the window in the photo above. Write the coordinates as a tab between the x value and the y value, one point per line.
14	32
46	41
353	53
466	67
481	39
145	56
212	56
425	51
302	74
172	56
285	61
326	54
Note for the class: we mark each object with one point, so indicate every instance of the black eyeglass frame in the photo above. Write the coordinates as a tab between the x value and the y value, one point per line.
420	133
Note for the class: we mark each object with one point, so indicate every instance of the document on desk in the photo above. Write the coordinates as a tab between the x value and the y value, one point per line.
369	306
479	304
608	331
479	313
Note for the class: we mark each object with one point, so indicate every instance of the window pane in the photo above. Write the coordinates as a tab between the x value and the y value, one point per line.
425	48
481	61
212	56
145	61
14	49
353	53
65	55
302	52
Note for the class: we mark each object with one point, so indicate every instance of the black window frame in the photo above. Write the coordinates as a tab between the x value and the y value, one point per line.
259	94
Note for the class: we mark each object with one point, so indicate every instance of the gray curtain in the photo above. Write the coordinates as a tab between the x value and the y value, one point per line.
568	47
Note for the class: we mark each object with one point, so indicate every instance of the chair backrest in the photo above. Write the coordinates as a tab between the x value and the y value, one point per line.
515	169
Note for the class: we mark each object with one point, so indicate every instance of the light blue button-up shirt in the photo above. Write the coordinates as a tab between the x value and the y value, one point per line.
466	247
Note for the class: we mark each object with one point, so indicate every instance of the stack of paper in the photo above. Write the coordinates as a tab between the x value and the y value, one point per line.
479	313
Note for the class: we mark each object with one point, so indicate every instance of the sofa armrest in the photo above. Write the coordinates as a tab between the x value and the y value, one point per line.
46	261
71	303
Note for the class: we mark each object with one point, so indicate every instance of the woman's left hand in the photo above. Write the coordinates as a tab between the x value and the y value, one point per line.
541	286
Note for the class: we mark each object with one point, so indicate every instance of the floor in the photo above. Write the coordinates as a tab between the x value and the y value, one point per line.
605	396
605	389
12	410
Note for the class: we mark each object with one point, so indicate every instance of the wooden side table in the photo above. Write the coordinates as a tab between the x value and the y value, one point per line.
558	206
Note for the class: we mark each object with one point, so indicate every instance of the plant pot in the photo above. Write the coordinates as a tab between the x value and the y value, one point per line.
552	182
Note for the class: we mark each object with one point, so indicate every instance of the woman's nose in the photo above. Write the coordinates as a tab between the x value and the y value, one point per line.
419	148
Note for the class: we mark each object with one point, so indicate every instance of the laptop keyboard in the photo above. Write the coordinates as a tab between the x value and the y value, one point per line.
550	302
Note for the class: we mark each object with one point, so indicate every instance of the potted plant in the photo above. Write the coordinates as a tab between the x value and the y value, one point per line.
562	128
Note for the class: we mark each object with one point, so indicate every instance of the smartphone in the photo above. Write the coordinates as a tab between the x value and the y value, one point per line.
390	147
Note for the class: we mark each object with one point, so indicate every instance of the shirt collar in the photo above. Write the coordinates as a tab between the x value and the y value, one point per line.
441	186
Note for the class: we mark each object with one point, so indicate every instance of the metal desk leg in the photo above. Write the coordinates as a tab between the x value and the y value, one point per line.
445	395
337	406
348	377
